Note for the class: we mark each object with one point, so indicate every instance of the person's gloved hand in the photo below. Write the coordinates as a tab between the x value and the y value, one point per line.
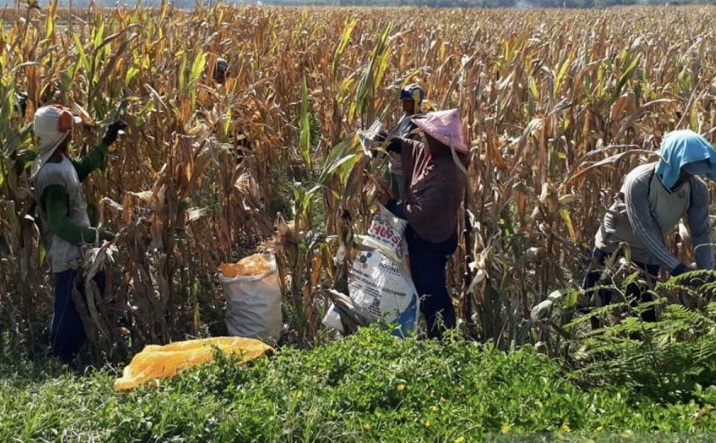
21	102
680	269
395	145
382	194
110	135
381	136
106	235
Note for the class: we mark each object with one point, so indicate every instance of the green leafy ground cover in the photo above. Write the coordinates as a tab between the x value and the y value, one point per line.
368	387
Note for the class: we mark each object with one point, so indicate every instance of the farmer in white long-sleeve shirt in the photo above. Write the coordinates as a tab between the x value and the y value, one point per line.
652	200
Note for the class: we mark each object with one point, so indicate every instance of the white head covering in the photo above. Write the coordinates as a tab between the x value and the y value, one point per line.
50	132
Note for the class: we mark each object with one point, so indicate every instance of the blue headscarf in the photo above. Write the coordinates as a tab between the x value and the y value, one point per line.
679	148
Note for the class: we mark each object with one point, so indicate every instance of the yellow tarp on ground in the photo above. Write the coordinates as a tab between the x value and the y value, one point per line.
165	361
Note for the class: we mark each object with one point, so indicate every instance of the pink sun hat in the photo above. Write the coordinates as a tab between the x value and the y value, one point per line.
445	127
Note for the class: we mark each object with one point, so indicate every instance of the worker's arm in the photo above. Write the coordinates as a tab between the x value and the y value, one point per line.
55	202
698	219
96	159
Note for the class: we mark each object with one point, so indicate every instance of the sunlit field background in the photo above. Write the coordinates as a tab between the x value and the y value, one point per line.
557	105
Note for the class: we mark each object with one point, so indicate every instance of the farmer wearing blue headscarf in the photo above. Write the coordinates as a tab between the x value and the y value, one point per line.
652	200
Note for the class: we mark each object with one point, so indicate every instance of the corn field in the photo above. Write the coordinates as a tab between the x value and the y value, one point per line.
557	105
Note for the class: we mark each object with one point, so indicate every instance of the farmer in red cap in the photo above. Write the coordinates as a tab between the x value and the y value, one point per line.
435	184
63	219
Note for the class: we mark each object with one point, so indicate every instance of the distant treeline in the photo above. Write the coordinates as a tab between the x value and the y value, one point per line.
189	4
487	3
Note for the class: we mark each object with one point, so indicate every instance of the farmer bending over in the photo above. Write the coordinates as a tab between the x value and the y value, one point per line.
652	200
63	217
434	191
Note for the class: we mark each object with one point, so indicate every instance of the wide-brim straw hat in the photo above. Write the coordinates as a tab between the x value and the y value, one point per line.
445	127
51	125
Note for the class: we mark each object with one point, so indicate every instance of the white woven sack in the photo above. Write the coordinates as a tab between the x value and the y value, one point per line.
253	304
379	282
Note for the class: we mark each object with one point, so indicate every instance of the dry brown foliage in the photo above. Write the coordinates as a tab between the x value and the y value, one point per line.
557	105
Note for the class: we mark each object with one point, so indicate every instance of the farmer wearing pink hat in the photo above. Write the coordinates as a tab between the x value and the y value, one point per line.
63	219
435	185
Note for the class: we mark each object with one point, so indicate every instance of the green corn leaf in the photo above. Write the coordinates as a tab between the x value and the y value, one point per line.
129	76
109	67
533	88
338	156
182	72
625	77
564	213
349	164
695	121
382	65
363	88
369	79
49	25
560	77
98	36
347	83
226	126
6	111
82	59
345	38
304	143
197	67
109	40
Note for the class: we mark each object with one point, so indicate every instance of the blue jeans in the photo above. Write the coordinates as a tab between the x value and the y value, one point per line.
427	266
67	333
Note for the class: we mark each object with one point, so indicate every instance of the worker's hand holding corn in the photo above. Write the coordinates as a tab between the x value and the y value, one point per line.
112	132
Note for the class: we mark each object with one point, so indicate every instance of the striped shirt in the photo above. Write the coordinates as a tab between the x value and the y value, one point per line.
645	211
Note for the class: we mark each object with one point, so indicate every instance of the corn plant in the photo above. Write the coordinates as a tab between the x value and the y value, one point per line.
557	107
